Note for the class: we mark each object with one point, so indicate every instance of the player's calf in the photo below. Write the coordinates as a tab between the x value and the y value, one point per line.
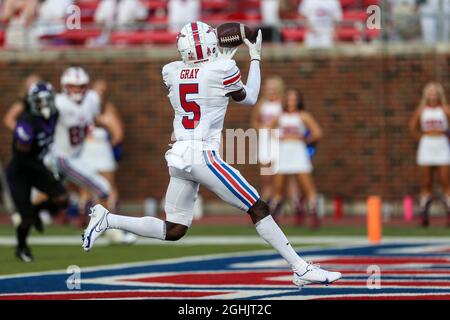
175	231
259	211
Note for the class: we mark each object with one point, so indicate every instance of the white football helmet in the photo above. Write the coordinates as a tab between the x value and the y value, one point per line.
78	78
197	42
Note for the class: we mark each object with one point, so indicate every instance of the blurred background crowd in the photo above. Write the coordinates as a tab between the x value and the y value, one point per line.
315	23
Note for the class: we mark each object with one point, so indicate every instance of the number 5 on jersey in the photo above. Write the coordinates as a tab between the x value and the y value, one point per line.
189	121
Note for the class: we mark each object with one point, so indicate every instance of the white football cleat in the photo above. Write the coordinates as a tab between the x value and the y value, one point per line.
313	274
97	225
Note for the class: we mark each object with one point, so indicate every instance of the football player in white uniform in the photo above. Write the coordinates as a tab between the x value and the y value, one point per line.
78	107
199	89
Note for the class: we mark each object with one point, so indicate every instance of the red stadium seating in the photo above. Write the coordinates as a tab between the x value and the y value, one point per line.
366	3
155	4
2	37
373	34
77	37
214	12
348	34
355	15
215	18
214	5
293	34
87	4
143	37
87	9
348	4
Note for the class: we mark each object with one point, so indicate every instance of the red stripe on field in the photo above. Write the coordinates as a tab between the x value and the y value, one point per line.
270	278
228	278
411	283
399	297
230	179
387	260
399	272
112	295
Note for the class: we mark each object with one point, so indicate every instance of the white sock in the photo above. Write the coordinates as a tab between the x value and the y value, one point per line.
272	234
146	226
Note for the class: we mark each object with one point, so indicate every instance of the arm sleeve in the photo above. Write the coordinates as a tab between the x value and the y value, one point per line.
165	77
253	84
24	135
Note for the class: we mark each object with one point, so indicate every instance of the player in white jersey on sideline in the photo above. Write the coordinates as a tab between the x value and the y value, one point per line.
199	89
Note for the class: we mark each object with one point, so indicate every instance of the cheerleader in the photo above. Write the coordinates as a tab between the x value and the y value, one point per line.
429	126
294	160
263	116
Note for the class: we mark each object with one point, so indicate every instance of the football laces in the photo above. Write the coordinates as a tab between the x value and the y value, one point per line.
229	38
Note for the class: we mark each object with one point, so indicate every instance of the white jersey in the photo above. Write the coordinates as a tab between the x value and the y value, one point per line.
198	95
291	124
73	123
433	119
269	111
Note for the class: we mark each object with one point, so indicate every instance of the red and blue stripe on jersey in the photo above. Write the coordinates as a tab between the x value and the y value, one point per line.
234	78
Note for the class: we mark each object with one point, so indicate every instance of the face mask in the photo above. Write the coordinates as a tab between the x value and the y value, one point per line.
76	97
46	112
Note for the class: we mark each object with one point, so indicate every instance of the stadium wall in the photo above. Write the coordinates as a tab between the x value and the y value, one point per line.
362	97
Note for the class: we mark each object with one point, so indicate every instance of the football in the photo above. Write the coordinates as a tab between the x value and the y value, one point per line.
232	34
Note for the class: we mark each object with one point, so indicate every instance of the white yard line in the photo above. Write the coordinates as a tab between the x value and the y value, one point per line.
225	240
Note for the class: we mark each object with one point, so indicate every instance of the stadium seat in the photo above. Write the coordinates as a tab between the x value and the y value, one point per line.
211	5
154	19
293	34
355	15
2	37
87	4
367	3
87	8
373	34
346	4
155	4
250	4
78	37
143	37
215	18
348	34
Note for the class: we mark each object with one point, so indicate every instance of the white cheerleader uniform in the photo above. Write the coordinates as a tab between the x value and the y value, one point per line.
293	155
98	152
433	150
268	112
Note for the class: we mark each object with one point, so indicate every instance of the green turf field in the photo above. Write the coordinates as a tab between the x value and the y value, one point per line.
213	230
57	257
